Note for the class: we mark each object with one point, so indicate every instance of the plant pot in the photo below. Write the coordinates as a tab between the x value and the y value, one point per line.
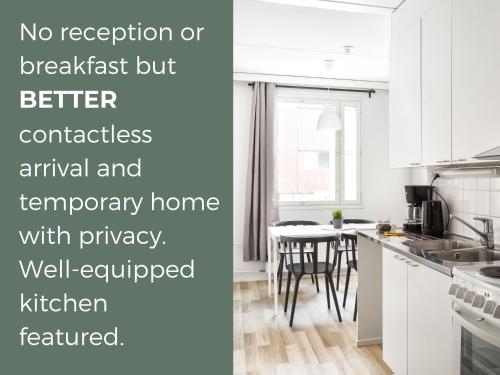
337	223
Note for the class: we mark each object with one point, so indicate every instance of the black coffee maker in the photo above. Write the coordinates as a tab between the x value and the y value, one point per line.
415	195
424	214
432	218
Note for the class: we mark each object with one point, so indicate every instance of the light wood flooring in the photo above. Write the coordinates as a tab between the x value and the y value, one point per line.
316	344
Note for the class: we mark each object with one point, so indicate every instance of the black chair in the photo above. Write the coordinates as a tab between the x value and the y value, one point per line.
301	268
342	247
281	250
351	242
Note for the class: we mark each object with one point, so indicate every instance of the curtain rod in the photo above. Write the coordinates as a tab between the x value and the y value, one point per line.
368	91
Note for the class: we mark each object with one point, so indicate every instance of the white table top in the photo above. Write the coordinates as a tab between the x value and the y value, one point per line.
314	230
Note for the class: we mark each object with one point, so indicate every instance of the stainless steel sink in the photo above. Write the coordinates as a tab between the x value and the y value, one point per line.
434	245
452	252
465	255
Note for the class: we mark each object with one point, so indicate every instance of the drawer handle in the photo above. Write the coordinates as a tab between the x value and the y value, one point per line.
442	161
411	264
415	163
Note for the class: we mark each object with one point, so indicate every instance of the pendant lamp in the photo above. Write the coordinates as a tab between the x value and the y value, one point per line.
329	119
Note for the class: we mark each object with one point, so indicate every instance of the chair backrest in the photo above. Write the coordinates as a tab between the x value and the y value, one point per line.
294	222
351	245
332	242
358	221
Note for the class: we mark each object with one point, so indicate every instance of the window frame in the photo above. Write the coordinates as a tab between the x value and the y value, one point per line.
339	101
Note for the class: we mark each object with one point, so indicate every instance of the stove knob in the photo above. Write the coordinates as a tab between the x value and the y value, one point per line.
489	307
496	313
469	296
453	289
478	301
460	293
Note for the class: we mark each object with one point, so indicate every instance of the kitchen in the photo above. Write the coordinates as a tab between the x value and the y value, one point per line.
420	153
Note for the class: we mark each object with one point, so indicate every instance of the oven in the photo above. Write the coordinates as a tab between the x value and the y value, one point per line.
476	344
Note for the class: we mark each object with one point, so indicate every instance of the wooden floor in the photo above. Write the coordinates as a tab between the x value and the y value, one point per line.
316	344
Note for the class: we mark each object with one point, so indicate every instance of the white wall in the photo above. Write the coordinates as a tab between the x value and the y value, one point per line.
382	188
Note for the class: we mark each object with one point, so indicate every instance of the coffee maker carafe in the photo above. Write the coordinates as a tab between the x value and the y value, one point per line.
415	195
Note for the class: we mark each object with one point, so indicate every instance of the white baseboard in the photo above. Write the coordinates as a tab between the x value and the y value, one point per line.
249	276
366	342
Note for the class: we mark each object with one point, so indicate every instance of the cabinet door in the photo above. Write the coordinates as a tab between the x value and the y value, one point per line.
405	99
476	77
394	305
429	322
436	84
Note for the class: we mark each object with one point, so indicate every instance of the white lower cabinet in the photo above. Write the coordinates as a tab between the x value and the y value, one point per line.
417	330
394	307
429	321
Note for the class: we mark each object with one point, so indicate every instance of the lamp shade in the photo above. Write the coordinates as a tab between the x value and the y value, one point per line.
328	119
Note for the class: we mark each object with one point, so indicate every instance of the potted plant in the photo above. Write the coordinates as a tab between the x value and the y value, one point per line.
337	218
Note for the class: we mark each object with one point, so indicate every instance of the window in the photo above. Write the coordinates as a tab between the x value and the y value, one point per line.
317	166
314	159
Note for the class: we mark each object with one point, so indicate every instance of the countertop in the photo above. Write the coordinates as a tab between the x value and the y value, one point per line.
396	244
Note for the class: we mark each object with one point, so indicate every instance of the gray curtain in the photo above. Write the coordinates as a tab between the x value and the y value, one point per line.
261	206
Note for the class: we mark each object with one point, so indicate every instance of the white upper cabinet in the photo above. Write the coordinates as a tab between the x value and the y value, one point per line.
476	77
436	84
405	94
444	82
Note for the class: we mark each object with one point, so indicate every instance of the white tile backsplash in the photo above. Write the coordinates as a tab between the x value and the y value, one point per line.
467	232
469	183
495	203
457	183
495	184
471	197
483	203
469	201
496	230
456	200
483	184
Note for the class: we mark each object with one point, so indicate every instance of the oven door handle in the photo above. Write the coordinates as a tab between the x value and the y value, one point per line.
470	324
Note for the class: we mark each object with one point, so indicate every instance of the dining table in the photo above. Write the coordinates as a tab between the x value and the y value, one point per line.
299	231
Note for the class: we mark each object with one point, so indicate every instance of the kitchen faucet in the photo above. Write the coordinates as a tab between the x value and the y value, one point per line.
487	237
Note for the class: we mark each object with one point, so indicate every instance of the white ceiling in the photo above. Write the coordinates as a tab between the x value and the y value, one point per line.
270	38
361	6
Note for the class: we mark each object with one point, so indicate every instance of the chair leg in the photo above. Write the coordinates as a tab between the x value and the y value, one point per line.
327	291
309	259
339	261
346	288
317	284
280	272
287	289
294	302
355	308
334	294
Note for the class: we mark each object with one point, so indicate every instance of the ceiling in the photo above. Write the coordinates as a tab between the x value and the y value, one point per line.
360	6
278	39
